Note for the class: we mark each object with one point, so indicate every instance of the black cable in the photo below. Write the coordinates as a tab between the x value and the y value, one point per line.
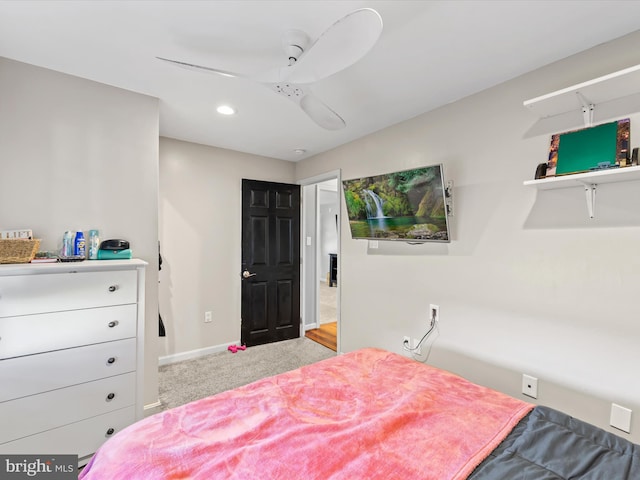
417	347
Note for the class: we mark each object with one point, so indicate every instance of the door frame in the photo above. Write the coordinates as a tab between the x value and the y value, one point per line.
309	294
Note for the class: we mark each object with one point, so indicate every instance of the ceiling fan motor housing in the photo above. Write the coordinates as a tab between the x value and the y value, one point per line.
295	43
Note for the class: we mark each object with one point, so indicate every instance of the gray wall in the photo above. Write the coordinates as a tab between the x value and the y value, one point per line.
200	233
75	154
529	283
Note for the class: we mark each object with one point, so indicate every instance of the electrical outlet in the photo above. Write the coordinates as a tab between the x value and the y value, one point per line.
434	313
620	418
207	317
417	346
530	386
406	342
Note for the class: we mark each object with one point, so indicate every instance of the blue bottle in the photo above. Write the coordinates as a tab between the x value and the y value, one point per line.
80	245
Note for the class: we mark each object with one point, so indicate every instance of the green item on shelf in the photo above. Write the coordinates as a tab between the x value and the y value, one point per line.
115	254
584	149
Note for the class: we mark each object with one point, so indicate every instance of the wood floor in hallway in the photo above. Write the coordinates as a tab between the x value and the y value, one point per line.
326	335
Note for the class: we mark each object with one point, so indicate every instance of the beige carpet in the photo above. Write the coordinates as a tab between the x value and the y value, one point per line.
183	382
328	302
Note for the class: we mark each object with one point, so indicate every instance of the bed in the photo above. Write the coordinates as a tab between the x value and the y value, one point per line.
368	414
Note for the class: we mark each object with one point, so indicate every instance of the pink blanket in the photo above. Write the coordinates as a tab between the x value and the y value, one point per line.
369	414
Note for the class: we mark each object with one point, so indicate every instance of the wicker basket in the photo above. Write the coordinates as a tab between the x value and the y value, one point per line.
18	250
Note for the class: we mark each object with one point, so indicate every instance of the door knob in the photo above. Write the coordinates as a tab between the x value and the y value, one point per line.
246	274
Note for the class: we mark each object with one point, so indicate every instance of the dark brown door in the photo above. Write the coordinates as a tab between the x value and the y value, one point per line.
270	262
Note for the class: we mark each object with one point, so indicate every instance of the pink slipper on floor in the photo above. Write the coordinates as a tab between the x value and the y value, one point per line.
233	348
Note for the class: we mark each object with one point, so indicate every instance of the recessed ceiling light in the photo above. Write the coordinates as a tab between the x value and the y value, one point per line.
226	110
299	151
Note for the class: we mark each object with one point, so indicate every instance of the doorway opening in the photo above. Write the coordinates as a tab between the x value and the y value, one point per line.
321	259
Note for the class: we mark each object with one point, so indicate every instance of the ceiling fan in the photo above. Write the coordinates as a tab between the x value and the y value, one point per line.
341	45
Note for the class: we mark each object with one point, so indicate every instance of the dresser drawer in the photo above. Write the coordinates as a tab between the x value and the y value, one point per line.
33	374
80	438
54	331
42	293
37	413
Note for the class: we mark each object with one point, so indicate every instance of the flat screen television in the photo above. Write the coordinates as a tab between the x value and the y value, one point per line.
408	205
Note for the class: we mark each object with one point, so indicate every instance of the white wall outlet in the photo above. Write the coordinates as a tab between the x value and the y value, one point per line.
620	418
434	313
207	317
530	386
406	342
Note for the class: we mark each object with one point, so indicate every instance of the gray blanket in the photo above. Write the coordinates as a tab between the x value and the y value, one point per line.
550	445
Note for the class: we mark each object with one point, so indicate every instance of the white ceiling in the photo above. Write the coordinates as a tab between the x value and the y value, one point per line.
430	53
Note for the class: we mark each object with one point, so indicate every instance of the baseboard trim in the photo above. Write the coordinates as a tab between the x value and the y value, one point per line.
155	404
191	354
152	409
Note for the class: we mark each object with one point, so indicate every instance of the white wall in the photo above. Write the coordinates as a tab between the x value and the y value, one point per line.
528	282
200	233
75	154
309	267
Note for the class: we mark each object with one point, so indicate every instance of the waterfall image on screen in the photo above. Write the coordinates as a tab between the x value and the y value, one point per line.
408	205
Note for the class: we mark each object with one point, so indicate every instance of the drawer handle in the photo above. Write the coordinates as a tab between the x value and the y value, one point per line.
111	396
110	432
113	323
113	288
111	360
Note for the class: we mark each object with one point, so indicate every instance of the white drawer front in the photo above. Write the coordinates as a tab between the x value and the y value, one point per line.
33	374
54	331
27	294
81	438
37	413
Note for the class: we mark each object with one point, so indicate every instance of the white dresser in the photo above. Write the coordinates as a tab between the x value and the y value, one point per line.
71	354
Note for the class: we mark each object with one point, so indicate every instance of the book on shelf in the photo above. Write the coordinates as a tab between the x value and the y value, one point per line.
44	260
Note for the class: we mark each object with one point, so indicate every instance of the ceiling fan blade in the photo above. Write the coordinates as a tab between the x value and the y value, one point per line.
200	68
339	47
320	113
270	76
315	108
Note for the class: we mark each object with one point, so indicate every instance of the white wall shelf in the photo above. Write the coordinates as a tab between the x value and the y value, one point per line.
592	102
595	101
588	180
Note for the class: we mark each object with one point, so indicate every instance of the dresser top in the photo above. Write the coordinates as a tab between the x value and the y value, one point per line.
70	267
